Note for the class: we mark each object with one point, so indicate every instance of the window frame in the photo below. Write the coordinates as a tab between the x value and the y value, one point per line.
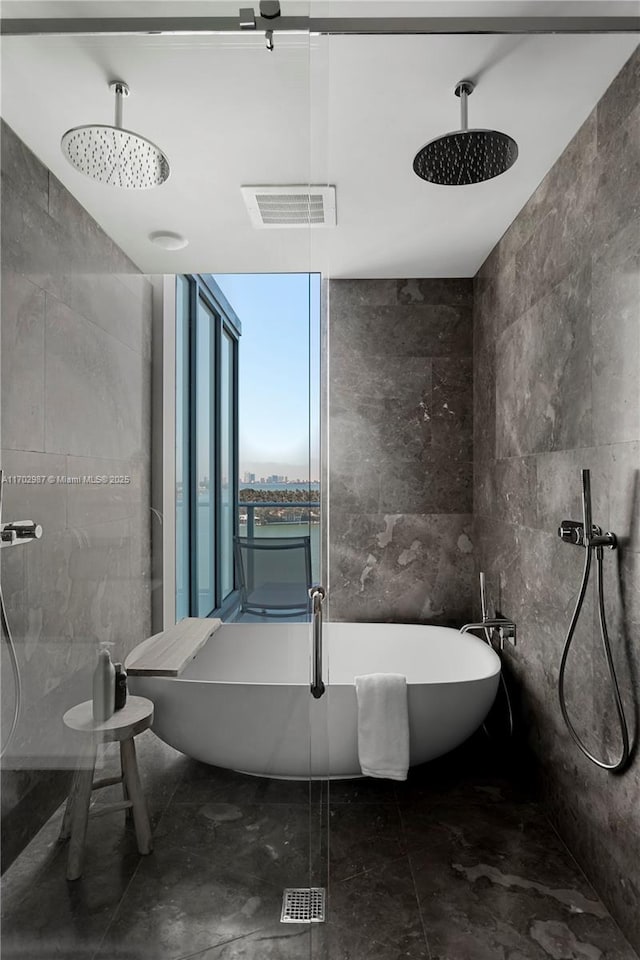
202	288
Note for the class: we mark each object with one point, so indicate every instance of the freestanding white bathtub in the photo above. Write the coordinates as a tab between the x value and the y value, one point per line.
244	703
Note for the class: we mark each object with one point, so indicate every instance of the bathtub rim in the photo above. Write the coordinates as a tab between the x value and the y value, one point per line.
329	682
491	667
488	667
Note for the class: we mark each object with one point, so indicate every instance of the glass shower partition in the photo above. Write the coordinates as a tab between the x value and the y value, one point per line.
255	429
82	357
279	558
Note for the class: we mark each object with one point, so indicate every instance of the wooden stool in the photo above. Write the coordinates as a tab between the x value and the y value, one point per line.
123	725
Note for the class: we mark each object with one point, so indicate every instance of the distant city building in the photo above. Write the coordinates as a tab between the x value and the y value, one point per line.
274	478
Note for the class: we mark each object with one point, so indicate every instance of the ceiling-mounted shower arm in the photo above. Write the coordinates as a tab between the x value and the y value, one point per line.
121	90
463	90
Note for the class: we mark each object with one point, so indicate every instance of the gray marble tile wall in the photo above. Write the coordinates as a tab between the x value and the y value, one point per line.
75	399
400	450
557	388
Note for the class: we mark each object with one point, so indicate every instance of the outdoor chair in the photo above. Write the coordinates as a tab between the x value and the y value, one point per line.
274	575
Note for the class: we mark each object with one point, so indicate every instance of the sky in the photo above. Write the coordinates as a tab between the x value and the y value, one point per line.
280	315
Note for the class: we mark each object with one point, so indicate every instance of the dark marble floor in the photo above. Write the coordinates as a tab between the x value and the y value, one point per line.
459	863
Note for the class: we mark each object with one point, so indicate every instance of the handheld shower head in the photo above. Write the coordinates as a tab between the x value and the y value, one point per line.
112	155
465	156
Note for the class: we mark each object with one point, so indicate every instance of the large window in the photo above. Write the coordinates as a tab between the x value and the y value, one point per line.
207	332
279	404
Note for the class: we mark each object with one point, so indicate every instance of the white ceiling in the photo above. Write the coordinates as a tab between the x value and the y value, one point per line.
351	111
320	8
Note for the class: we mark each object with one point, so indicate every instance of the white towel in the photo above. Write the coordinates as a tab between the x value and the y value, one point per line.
383	725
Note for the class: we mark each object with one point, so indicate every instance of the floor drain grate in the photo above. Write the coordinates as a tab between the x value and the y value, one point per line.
303	905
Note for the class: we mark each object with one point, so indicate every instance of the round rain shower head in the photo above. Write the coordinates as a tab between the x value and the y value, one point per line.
465	156
112	155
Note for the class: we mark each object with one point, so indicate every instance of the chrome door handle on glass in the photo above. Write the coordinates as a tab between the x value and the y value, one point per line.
317	595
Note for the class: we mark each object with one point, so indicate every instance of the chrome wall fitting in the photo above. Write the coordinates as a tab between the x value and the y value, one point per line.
572	531
506	628
19	531
270	9
247	18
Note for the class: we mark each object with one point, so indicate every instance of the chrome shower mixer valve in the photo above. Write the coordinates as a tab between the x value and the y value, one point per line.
572	531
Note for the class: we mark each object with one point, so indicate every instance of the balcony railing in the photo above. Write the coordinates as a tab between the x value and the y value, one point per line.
294	514
278	518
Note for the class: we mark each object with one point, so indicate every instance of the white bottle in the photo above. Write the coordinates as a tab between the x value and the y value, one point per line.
104	687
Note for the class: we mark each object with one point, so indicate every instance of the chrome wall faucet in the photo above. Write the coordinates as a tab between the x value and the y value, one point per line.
506	628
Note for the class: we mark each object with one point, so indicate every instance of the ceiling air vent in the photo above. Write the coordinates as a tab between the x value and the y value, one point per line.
291	206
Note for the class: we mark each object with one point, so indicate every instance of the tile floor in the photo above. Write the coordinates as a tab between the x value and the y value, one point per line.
459	863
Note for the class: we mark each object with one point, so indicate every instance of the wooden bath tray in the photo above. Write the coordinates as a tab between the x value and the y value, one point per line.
166	654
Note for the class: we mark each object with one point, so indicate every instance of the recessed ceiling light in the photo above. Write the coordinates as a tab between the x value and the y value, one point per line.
168	240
